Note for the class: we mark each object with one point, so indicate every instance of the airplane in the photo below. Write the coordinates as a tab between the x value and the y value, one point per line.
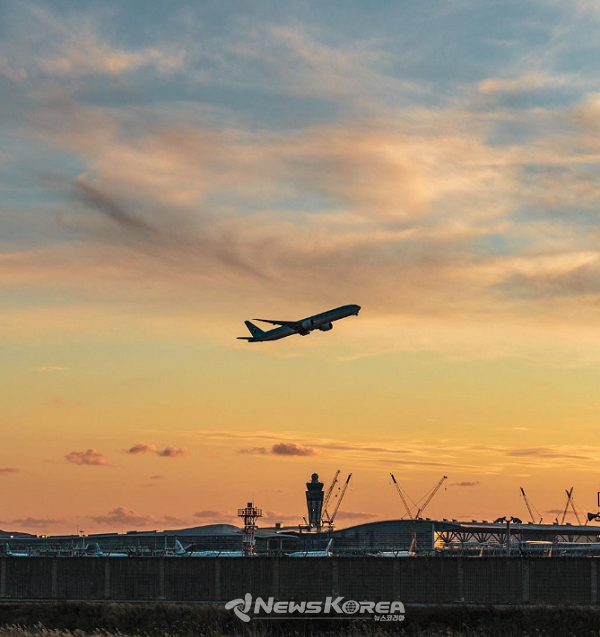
101	553
94	550
326	552
322	322
9	553
180	551
395	554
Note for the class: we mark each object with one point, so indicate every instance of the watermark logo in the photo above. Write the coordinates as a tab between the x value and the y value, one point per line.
241	607
245	608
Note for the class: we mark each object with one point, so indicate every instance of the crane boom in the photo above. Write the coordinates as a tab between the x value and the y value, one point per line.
574	508
527	504
328	494
564	515
340	498
433	492
401	495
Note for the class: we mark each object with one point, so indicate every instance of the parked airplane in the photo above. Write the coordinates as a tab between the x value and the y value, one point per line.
9	553
326	552
94	550
214	554
395	554
322	322
184	553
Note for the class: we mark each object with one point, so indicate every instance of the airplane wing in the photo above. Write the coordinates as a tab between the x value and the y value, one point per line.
283	323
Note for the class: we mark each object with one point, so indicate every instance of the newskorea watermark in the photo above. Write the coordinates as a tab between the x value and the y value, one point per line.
331	607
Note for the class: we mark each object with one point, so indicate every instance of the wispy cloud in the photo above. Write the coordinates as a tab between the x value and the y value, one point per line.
70	46
354	515
30	522
261	451
213	516
545	452
124	516
533	81
4	471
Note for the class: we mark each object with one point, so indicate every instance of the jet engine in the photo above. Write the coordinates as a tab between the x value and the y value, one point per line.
326	327
308	324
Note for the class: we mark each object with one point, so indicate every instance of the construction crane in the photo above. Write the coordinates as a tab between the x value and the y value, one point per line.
529	507
564	515
340	497
574	508
401	494
430	497
570	503
328	494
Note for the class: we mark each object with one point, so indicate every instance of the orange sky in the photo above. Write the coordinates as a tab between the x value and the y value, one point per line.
162	185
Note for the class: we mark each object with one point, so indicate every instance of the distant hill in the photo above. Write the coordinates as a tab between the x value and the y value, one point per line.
9	534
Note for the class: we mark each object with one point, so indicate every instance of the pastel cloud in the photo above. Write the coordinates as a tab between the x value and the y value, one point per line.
212	516
123	515
292	449
387	190
30	522
91	457
173	452
149	447
523	83
141	447
4	471
545	452
276	516
338	163
468	458
86	54
354	515
71	46
280	449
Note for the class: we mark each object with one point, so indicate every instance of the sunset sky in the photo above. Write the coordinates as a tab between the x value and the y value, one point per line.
170	169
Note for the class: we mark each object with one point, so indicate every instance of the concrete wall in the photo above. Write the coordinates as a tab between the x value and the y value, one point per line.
421	579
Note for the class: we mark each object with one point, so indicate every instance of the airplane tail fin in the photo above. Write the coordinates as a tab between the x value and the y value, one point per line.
253	329
329	544
179	550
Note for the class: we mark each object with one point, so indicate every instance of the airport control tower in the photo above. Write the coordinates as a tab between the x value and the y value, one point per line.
314	501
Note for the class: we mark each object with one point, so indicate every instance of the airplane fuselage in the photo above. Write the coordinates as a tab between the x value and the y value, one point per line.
215	554
311	554
276	334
